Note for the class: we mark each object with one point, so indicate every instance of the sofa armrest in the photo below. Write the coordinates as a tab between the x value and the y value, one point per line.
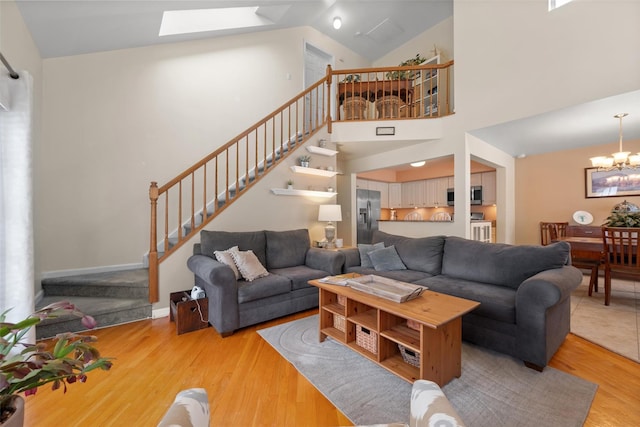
547	288
322	259
351	258
429	406
220	286
543	314
189	409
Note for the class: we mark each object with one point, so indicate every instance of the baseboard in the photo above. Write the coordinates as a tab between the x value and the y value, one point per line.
90	270
160	312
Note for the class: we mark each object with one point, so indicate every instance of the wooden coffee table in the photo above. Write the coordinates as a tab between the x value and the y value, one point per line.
417	339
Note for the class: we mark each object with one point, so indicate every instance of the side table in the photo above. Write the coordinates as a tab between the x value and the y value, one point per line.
189	314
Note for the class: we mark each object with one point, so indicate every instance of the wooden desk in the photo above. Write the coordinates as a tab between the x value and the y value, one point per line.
590	248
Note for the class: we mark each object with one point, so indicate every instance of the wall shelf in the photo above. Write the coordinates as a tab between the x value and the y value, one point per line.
313	171
322	151
308	193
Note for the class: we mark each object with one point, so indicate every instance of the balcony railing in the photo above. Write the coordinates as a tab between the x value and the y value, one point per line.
413	92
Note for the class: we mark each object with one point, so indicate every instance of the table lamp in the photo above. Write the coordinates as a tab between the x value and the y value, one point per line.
330	213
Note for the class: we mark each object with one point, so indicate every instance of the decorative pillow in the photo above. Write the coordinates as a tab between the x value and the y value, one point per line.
386	259
249	265
365	261
226	258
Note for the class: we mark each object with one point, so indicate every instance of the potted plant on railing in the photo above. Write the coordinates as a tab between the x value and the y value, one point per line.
405	75
24	366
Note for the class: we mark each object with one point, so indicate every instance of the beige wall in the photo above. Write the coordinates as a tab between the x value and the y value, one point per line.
551	187
19	49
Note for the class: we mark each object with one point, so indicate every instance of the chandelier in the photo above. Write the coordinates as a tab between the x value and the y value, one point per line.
621	159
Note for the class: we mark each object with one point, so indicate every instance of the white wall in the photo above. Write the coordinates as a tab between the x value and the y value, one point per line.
115	121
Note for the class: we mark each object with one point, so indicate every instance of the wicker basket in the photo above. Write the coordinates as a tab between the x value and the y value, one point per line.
355	108
339	322
342	300
409	356
367	339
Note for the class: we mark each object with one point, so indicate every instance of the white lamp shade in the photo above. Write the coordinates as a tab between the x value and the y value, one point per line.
330	213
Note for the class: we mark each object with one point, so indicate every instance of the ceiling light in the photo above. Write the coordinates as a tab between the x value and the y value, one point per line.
418	164
337	22
619	160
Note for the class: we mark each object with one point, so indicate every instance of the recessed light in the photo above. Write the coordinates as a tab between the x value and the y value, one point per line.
337	22
418	164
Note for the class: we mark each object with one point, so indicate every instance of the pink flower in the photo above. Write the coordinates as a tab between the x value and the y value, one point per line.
88	322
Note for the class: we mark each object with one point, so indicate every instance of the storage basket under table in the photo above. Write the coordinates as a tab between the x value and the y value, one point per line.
409	356
339	322
367	339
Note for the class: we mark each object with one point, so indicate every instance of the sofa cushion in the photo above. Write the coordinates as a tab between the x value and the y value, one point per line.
300	275
286	248
211	241
499	263
364	250
386	259
496	302
417	253
263	287
226	258
248	265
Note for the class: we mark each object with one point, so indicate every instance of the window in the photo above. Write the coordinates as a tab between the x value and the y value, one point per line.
554	4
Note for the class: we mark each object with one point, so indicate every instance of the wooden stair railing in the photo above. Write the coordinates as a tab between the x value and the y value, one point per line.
208	187
195	197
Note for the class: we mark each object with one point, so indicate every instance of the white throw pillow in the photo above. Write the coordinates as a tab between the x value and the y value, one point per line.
249	265
226	258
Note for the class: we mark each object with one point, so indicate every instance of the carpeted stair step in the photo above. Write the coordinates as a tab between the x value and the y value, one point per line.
130	284
106	312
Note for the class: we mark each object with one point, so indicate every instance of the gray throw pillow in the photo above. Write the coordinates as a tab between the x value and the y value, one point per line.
386	259
365	261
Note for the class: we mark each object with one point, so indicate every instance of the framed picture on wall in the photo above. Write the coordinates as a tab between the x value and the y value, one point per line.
615	183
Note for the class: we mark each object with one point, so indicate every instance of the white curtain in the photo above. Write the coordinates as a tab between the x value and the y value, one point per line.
16	192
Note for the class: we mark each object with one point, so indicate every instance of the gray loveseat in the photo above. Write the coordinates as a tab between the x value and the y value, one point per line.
524	291
290	261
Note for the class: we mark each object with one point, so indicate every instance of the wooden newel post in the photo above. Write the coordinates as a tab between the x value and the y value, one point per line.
153	247
329	78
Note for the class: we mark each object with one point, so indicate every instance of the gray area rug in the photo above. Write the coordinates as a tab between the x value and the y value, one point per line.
494	389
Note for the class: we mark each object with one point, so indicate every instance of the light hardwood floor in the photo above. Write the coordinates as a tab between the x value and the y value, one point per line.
250	384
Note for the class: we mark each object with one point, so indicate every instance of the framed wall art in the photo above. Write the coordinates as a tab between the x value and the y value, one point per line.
615	183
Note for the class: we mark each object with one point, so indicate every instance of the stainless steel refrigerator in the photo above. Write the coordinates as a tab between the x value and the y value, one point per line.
368	210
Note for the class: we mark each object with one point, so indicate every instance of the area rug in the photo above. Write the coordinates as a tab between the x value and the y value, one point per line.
494	389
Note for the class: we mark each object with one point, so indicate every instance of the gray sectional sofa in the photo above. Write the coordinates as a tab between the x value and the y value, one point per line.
288	258
524	291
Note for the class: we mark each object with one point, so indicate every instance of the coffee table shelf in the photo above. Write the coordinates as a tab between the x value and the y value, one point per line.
435	336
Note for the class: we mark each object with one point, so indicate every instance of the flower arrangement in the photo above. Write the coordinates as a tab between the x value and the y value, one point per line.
404	75
25	367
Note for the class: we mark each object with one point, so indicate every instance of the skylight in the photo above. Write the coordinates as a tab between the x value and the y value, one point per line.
199	20
554	4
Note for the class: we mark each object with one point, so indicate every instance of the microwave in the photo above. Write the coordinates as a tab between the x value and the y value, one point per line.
475	199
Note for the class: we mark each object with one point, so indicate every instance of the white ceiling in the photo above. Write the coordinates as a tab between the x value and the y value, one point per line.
371	28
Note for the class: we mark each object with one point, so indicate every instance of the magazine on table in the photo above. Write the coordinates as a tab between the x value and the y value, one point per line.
340	279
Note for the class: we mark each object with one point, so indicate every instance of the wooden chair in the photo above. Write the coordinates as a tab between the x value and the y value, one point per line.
550	231
620	254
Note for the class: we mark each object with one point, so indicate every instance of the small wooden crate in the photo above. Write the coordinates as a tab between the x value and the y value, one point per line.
367	339
409	356
186	312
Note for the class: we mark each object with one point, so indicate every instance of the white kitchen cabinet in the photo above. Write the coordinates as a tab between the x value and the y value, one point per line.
413	194
382	187
362	184
395	195
489	188
476	179
481	231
